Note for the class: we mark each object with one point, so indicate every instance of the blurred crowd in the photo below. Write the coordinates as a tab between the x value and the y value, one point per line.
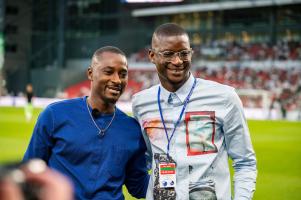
238	51
281	82
284	85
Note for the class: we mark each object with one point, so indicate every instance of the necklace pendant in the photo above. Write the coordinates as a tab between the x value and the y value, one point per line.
101	133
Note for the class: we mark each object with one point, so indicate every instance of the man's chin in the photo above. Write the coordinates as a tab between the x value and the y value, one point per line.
177	79
112	99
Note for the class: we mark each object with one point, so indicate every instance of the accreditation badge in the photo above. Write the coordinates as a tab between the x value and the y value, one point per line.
167	175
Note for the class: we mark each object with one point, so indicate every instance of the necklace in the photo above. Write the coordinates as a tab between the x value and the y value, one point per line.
101	131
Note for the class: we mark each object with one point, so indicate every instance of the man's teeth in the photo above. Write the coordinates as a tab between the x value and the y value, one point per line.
177	70
115	88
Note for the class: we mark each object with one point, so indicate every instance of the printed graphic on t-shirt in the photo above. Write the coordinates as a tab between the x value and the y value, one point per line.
202	190
200	130
155	131
152	128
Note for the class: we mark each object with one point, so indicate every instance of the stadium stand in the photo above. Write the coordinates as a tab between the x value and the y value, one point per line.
252	45
283	85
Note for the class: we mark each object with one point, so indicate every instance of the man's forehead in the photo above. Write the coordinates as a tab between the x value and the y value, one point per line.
164	40
119	65
108	57
106	54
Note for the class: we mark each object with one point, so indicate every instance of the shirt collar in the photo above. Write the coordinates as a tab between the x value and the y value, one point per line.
181	93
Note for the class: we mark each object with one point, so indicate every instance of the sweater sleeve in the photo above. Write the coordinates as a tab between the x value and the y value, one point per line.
137	177
41	140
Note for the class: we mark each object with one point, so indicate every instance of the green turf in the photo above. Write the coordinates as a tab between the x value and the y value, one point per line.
15	133
277	145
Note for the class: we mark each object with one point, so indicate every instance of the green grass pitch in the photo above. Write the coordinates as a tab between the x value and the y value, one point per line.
277	145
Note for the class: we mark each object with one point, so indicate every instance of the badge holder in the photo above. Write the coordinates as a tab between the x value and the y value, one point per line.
165	177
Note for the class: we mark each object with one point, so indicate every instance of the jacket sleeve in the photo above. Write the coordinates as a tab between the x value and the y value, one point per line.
137	177
41	140
240	149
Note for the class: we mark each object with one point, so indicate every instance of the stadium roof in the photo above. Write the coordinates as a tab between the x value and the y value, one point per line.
228	5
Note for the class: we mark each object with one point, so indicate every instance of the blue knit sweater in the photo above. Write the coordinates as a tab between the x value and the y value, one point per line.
67	139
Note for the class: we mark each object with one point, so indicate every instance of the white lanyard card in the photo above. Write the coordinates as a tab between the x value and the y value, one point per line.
167	175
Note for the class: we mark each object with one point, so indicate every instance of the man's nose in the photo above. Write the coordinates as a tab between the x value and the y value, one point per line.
176	60
116	78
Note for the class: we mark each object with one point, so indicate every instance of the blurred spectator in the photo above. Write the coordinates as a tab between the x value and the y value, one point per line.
34	180
28	108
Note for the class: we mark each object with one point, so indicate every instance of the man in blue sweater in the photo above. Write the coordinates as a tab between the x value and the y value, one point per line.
90	140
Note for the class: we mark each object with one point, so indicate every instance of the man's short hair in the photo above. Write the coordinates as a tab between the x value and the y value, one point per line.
168	29
111	49
97	54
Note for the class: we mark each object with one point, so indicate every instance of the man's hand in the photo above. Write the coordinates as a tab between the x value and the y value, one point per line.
49	183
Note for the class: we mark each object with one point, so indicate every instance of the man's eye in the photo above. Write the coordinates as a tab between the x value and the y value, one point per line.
184	53
168	53
123	75
107	72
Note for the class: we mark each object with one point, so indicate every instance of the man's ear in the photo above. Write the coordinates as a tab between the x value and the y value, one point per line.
151	55
90	73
